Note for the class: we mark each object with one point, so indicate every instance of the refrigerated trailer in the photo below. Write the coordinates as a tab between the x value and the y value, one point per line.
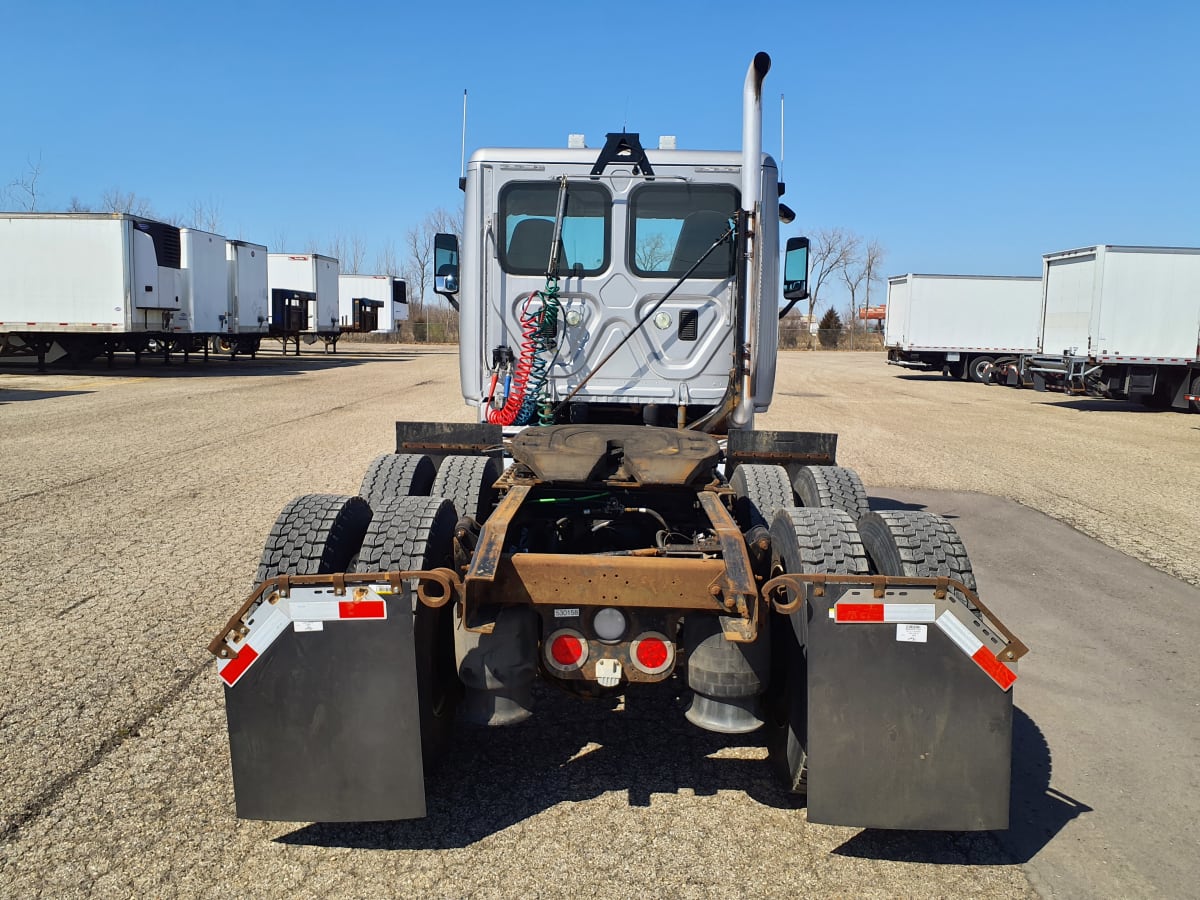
246	315
1122	322
961	324
303	298
372	302
81	284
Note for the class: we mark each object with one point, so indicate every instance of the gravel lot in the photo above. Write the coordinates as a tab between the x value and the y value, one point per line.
136	504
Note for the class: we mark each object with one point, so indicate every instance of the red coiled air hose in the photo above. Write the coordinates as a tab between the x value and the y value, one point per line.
516	397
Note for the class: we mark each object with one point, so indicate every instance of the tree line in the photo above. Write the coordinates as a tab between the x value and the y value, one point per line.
837	257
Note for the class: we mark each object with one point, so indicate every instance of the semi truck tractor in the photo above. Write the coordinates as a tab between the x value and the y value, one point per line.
612	521
1121	322
960	325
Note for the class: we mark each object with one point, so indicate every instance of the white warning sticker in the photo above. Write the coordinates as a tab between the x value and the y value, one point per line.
308	626
571	612
916	634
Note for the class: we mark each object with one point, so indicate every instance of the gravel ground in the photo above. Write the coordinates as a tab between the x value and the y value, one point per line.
136	504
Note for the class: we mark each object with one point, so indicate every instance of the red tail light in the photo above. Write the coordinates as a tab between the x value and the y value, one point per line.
652	652
566	650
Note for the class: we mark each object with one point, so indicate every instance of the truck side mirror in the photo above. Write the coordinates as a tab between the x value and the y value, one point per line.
795	269
445	265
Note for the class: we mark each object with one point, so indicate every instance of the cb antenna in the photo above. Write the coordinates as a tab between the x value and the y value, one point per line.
781	135
462	166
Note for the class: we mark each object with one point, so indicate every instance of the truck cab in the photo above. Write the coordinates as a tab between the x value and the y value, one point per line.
631	224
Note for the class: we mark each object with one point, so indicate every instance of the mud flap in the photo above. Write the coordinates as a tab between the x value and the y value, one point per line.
905	729
324	725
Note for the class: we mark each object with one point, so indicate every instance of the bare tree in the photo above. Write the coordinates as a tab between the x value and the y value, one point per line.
206	215
830	251
386	260
76	205
858	274
351	252
24	190
652	252
118	201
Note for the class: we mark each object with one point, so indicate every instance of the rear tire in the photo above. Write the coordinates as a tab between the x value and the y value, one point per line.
314	535
913	542
397	475
410	533
759	492
1194	405
832	487
802	541
468	482
978	367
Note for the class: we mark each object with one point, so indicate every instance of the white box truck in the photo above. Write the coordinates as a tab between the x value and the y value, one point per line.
88	282
304	298
961	324
372	302
1122	322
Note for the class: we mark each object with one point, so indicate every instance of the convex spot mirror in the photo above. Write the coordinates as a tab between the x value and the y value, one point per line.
795	269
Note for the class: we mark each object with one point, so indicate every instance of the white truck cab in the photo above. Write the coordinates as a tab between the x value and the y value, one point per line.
656	305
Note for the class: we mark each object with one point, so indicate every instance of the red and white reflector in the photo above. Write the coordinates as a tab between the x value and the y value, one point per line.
884	612
266	623
974	648
565	650
270	620
652	653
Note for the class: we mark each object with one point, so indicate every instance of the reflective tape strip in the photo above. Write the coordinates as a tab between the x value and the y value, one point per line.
961	635
270	620
363	609
997	671
332	610
884	612
263	632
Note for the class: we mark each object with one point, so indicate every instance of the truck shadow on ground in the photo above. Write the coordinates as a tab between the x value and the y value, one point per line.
265	364
18	395
887	503
574	751
1099	404
570	750
1037	812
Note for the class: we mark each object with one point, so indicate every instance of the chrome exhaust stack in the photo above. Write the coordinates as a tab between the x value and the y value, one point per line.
748	300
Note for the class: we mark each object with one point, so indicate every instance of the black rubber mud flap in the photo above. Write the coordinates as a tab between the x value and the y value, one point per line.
903	733
324	726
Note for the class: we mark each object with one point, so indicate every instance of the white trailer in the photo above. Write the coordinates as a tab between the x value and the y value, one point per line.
1122	322
372	302
88	283
304	298
205	305
247	310
961	324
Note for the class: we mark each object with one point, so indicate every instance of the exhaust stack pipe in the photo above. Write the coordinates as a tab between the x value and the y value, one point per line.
748	300
752	130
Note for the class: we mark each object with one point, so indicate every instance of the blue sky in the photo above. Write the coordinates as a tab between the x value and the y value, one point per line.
967	138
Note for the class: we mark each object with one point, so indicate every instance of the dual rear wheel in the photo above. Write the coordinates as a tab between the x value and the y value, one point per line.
829	541
394	525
